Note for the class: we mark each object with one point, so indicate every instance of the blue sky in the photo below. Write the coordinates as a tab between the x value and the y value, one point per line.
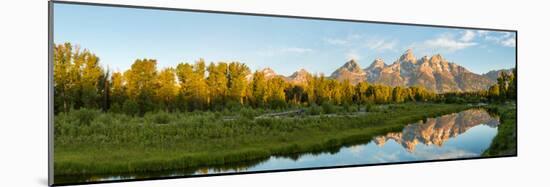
119	36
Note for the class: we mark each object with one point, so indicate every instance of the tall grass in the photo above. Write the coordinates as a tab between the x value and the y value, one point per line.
505	142
92	142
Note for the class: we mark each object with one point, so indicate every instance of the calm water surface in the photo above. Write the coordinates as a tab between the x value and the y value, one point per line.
459	135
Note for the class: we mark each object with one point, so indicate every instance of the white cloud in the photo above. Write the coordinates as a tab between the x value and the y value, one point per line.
349	40
496	37
355	36
432	152
357	149
510	42
482	32
352	55
335	41
285	51
448	43
468	35
353	44
443	43
505	39
454	42
297	50
381	44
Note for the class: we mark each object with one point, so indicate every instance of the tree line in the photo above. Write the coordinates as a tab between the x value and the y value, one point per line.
503	91
81	82
506	87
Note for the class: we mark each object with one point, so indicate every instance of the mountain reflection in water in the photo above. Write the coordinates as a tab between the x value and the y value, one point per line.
436	131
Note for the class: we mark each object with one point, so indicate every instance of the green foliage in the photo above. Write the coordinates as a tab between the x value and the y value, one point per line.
167	90
277	104
249	113
328	108
140	79
314	109
159	117
465	97
116	143
118	89
494	93
81	82
233	106
115	108
130	107
350	108
505	89
193	86
237	82
505	142
85	116
76	78
217	82
276	92
369	107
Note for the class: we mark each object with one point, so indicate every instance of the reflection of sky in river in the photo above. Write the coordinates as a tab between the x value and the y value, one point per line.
468	144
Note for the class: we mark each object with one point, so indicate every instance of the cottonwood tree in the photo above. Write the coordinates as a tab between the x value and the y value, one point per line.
62	80
237	82
90	75
167	88
141	83
259	89
348	91
193	86
217	83
276	92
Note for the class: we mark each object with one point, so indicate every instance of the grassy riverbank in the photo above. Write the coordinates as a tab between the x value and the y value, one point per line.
90	142
505	142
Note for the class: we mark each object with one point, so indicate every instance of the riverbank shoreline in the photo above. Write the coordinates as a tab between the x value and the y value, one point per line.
317	135
505	143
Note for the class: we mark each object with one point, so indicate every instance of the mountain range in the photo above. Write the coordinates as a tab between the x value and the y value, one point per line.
434	73
494	74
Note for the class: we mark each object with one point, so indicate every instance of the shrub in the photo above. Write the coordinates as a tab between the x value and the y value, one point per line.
277	104
353	108
328	108
370	107
115	108
233	106
130	107
314	109
160	117
349	108
248	113
104	119
85	116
